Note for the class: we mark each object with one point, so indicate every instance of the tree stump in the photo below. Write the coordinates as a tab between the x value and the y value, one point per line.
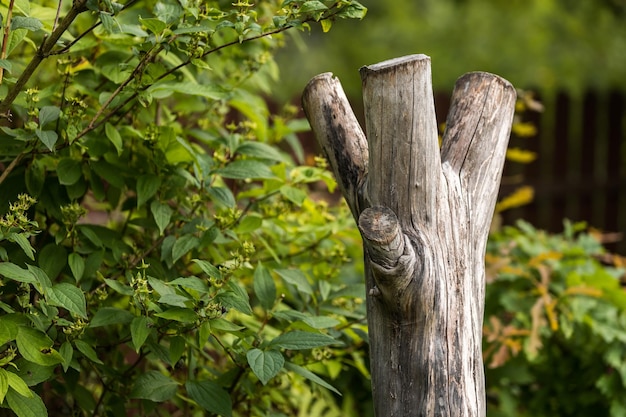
424	213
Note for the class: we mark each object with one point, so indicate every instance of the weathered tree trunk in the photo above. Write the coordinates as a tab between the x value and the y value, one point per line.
424	215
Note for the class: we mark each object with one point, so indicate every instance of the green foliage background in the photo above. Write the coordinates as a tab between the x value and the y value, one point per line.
535	44
161	253
165	249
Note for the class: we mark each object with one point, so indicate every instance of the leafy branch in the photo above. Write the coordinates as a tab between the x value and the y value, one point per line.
43	52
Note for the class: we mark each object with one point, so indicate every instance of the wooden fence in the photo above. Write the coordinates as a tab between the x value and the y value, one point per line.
580	171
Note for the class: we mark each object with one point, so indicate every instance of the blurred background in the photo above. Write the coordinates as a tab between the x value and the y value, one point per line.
569	58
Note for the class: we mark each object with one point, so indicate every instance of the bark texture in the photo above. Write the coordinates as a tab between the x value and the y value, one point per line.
424	212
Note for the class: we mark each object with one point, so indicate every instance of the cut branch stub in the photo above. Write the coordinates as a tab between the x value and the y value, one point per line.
402	133
390	252
424	216
339	134
379	227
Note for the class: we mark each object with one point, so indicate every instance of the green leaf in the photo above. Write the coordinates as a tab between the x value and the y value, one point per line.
35	178
8	331
41	277
23	6
4	384
263	151
211	397
297	278
31	406
312	6
222	195
23	243
77	265
265	365
184	245
110	23
208	269
249	223
107	316
154	25
18	384
298	340
177	348
175	300
183	315
114	137
321	322
111	173
52	259
326	25
147	186
303	372
14	272
33	374
28	23
165	89
162	214
69	297
264	287
69	171
353	11
15	38
140	329
119	287
168	12
236	298
225	325
293	194
48	114
193	283
245	169
6	65
134	30
67	352
154	386
48	138
86	349
35	346
160	286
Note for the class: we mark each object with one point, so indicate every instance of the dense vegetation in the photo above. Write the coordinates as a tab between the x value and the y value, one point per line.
161	252
166	247
555	324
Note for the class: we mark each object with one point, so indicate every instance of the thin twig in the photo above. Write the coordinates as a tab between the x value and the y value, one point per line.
56	17
11	166
67	47
78	7
145	60
5	39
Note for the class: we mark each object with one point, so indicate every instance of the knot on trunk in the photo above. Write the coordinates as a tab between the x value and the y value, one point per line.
390	251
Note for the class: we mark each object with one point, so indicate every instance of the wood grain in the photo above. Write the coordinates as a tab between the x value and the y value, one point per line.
424	214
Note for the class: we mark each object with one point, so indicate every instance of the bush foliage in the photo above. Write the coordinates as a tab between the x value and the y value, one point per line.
555	326
161	253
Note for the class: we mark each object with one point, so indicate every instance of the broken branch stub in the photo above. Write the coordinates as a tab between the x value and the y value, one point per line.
424	215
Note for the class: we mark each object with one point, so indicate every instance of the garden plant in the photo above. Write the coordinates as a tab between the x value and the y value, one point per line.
167	249
160	251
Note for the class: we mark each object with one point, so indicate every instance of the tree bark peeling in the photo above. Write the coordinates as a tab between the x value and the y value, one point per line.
424	215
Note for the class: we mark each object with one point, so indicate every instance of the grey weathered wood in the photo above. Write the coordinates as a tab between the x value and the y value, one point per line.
338	133
424	214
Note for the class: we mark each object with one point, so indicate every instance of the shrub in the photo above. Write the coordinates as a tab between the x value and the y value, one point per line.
160	251
555	326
